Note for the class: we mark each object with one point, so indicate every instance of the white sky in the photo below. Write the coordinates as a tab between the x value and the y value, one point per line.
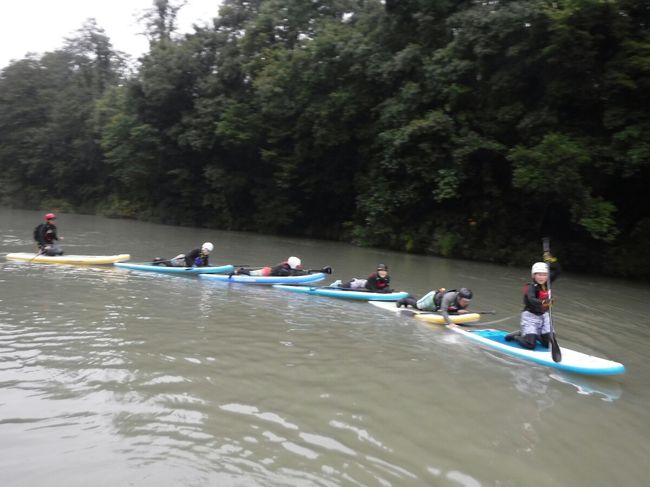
42	25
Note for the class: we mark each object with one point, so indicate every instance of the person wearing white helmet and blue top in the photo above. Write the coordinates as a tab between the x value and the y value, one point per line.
194	258
535	324
199	257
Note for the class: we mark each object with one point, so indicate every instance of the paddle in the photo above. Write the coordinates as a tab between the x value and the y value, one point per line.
169	263
325	270
361	290
413	311
487	312
354	289
40	252
161	263
418	312
556	353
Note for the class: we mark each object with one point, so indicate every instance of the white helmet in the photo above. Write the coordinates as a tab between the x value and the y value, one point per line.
539	267
294	262
207	247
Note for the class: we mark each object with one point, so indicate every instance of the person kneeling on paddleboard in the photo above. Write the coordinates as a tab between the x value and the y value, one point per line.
290	267
377	282
535	318
45	235
441	301
194	258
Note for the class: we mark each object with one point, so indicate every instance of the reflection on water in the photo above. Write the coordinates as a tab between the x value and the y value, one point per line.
143	379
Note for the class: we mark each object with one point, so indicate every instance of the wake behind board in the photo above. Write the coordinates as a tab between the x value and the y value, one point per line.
429	317
67	259
572	360
338	292
175	270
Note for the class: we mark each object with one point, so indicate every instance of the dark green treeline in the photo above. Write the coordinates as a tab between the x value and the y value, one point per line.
459	128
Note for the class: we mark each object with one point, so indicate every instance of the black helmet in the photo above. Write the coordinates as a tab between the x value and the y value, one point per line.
382	267
463	292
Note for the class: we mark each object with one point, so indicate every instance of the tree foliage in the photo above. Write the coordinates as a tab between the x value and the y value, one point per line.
458	128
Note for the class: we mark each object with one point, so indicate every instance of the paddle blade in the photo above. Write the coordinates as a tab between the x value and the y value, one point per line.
556	353
325	270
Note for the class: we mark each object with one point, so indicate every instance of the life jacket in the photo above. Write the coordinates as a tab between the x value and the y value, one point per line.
379	282
432	301
437	299
48	232
282	269
541	293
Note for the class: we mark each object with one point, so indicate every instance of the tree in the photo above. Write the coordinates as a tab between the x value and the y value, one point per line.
160	20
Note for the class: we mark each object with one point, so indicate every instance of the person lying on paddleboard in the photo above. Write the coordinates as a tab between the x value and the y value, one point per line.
290	267
194	258
535	318
441	301
378	282
45	235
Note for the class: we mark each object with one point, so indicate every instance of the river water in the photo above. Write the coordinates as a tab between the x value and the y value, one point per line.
111	377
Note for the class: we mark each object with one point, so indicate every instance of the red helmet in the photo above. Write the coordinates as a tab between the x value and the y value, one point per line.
50	216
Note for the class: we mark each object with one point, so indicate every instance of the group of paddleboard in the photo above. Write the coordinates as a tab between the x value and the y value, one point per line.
535	340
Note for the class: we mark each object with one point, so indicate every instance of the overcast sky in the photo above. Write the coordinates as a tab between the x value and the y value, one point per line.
41	25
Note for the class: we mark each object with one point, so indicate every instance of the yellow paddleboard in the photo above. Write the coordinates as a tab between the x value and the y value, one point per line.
429	317
437	319
68	259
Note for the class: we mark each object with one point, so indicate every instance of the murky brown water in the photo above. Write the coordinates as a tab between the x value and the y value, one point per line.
110	377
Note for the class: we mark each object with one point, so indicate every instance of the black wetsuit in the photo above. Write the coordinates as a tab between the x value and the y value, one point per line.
283	269
196	259
376	283
45	236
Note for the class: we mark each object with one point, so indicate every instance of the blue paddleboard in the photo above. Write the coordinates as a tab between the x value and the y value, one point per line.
572	361
338	292
174	270
244	279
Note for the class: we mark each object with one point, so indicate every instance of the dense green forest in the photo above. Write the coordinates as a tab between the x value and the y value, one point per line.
458	128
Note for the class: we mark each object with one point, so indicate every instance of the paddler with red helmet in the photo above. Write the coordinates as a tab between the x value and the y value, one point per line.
45	235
